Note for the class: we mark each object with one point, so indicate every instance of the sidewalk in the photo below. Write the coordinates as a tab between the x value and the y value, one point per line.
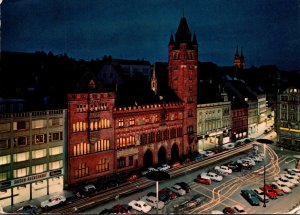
36	201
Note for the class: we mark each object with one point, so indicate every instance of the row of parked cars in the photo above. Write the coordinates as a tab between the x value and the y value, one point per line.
146	203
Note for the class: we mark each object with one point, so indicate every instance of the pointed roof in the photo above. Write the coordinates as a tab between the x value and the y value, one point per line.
242	56
183	34
171	40
237	51
194	39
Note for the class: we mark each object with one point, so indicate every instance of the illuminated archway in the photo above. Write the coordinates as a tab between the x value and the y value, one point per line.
162	155
148	158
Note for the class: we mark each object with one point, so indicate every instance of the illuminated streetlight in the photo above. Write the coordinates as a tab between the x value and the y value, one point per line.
264	205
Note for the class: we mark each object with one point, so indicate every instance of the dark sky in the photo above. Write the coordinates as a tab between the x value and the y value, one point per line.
268	30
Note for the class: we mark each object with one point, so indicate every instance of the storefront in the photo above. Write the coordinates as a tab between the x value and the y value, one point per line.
31	187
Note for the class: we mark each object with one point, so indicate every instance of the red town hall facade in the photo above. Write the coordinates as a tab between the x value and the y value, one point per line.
104	139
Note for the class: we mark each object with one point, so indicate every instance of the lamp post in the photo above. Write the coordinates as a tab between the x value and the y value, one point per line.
264	205
157	176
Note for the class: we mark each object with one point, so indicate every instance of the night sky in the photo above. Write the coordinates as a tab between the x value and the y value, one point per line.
268	30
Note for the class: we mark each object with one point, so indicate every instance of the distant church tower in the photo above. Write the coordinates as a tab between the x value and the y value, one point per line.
183	72
154	81
239	60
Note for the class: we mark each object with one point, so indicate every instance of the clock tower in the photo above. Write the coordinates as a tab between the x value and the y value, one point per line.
183	65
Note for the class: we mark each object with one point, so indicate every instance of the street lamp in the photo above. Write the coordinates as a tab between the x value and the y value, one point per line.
264	205
157	176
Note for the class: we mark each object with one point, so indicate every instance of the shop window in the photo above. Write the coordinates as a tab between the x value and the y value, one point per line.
21	172
4	127
39	168
56	136
20	125
56	122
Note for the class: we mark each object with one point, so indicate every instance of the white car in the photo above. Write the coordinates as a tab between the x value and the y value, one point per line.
206	153
151	200
163	167
290	179
149	169
281	183
296	171
213	176
224	170
140	206
261	196
286	181
284	188
177	189
289	176
239	209
55	200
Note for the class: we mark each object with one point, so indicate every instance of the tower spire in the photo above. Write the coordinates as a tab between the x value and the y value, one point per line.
237	51
154	81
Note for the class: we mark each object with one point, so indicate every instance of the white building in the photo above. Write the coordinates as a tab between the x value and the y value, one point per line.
31	155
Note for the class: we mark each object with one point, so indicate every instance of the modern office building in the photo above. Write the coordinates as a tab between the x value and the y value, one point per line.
31	155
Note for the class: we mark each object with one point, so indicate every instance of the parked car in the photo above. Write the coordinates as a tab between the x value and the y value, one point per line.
296	171
284	181
289	176
213	176
163	167
178	190
151	200
27	209
229	210
276	189
107	211
196	200
132	178
216	212
289	179
121	209
140	206
269	192
197	156
176	164
261	195
161	196
203	180
52	201
184	186
149	169
283	187
239	209
207	153
168	192
251	197
236	167
224	170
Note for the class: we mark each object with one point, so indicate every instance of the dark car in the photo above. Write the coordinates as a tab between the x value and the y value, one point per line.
229	210
28	209
122	209
106	211
184	186
168	192
236	167
251	197
161	196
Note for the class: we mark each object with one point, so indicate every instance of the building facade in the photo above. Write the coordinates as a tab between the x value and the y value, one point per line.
288	116
239	110
105	139
213	124
31	155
